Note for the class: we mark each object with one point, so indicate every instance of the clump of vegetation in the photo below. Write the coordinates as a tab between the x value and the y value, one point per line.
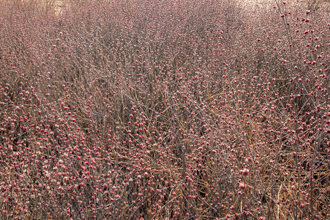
196	109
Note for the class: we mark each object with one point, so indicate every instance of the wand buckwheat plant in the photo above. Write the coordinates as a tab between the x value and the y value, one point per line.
167	109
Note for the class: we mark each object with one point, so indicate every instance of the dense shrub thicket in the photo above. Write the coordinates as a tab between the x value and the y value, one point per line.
164	109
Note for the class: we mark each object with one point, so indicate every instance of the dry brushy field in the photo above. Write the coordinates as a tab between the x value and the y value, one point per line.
164	109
